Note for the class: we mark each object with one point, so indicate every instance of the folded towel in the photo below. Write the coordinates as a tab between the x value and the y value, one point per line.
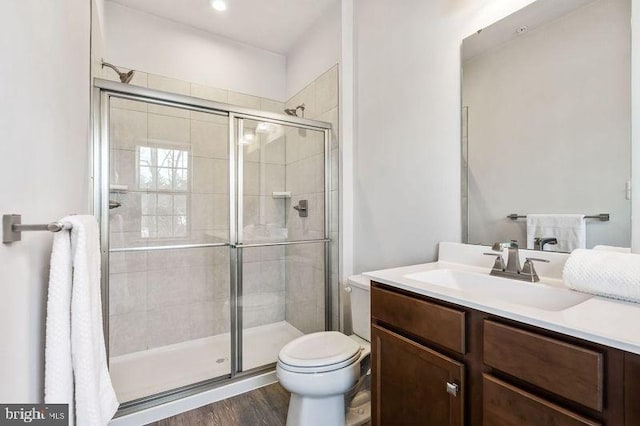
613	248
569	229
95	398
605	273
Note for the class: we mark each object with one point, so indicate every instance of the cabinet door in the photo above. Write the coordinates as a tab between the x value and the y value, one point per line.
414	385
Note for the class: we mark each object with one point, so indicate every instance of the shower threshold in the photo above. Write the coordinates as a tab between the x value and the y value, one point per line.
140	374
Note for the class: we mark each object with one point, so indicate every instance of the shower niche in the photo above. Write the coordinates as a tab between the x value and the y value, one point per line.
208	266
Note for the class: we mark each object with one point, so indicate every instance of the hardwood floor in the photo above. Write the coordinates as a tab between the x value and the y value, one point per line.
266	406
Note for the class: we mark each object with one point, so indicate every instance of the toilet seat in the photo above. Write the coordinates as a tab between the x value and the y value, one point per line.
319	369
319	352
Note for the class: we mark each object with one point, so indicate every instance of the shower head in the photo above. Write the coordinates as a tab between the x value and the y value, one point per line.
125	77
294	111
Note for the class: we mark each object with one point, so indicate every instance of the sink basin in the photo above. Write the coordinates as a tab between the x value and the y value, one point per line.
539	296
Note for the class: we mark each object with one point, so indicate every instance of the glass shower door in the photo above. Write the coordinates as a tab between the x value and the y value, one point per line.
281	236
169	252
214	239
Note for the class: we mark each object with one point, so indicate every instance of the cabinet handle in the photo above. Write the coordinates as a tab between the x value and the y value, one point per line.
452	389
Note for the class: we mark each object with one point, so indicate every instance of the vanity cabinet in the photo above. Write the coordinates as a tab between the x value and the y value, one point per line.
498	371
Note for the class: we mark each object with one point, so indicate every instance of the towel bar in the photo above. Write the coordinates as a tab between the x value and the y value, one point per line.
12	227
603	217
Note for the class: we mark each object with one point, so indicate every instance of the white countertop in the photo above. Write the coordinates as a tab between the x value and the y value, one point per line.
601	320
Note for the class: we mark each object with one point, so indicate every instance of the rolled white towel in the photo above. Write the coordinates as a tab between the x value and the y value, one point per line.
604	273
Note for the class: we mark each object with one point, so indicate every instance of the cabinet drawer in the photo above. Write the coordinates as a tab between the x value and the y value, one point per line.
437	324
505	405
567	370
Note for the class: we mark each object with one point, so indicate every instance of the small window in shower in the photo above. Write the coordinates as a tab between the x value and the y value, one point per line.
163	173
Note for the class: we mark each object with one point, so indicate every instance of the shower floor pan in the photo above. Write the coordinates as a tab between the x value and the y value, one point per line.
149	372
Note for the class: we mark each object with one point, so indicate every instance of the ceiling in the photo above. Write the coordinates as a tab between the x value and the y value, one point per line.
535	15
273	25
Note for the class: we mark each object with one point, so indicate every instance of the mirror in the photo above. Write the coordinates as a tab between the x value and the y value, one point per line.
546	127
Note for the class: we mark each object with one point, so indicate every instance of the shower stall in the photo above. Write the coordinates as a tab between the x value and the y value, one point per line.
214	236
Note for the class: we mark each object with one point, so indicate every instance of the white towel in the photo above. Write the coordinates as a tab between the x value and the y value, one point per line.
605	273
95	398
58	370
569	229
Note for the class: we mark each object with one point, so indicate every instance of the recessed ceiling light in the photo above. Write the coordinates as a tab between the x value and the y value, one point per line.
219	5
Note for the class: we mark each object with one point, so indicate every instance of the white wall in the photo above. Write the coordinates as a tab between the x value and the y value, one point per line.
407	154
151	44
97	36
549	126
44	133
316	52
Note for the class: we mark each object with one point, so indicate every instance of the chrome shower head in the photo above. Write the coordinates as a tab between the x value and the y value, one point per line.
294	111
125	77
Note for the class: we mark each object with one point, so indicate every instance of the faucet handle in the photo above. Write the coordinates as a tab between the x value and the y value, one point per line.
529	270
533	259
498	265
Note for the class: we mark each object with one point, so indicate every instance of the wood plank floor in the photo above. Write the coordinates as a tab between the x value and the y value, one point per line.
266	406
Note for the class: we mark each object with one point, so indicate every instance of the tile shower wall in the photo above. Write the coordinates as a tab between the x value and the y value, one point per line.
159	298
304	281
263	268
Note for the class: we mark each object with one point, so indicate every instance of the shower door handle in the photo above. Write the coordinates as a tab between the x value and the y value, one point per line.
302	208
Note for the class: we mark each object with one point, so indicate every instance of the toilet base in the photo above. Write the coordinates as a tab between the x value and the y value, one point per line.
307	411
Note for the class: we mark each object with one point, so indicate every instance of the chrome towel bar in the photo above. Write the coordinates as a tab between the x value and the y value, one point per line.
12	227
603	217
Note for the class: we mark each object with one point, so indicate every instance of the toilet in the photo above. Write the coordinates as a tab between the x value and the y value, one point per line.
320	369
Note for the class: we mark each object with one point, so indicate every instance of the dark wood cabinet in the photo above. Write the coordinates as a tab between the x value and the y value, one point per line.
506	373
416	386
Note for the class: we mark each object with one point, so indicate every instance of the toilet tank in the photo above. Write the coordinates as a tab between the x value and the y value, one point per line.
360	306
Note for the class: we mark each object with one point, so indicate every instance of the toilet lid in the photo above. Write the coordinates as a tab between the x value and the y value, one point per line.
319	349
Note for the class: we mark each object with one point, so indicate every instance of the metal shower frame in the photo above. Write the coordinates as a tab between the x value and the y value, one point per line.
103	91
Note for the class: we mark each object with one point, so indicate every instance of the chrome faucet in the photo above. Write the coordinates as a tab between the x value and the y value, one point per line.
513	269
513	259
539	243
